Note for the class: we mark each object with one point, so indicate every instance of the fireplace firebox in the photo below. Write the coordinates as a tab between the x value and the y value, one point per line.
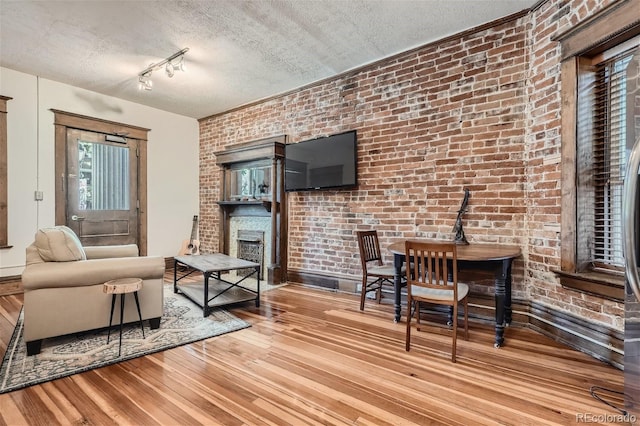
250	246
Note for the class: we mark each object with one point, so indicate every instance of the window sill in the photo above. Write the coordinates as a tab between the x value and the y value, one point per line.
599	284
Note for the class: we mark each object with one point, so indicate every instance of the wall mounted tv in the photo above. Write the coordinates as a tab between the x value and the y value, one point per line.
324	163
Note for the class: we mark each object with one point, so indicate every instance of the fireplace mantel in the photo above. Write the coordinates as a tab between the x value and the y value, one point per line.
234	204
253	186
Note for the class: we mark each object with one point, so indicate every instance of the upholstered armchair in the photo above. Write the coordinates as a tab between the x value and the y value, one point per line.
63	285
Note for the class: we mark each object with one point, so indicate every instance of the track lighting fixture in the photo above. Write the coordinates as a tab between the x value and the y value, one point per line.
171	64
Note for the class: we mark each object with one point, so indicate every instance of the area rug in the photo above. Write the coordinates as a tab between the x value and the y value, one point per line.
182	323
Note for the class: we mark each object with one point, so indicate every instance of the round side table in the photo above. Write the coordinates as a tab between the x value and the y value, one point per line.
122	286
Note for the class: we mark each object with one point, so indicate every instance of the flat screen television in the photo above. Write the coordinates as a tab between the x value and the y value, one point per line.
324	163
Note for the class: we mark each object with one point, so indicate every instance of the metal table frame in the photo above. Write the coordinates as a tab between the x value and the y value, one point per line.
223	292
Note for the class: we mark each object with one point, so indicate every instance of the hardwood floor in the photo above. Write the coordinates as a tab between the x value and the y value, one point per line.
311	357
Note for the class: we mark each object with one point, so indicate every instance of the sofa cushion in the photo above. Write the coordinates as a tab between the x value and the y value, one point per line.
59	244
109	252
33	256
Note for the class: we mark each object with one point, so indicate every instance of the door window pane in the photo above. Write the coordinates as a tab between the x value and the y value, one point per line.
103	176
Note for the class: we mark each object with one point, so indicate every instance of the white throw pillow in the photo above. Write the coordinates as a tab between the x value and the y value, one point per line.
59	244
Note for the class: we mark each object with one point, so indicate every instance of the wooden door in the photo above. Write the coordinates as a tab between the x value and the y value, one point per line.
102	188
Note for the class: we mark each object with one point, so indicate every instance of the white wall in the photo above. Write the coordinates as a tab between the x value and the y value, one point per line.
172	162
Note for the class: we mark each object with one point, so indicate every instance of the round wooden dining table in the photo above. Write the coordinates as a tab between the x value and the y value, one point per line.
491	256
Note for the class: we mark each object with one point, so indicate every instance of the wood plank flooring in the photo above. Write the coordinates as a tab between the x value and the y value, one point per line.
312	358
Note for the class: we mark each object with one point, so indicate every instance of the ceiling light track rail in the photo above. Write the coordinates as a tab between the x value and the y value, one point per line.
171	64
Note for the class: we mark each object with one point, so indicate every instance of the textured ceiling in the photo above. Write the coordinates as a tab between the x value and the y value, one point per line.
240	51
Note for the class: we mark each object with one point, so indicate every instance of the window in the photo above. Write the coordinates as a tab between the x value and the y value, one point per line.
599	126
103	176
602	148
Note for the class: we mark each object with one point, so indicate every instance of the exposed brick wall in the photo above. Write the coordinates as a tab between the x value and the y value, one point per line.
544	163
479	111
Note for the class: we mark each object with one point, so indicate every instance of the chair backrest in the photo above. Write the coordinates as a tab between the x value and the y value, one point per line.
432	265
369	248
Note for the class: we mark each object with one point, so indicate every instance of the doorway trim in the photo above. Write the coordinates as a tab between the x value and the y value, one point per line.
67	120
4	189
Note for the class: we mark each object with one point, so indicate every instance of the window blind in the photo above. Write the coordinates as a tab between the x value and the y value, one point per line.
609	159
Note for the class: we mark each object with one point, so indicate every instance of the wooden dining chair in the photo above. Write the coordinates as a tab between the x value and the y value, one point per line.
375	274
432	277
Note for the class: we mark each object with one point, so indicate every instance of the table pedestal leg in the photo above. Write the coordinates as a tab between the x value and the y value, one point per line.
503	300
507	301
397	286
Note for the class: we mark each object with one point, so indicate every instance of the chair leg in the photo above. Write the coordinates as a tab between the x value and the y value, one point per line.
455	332
466	320
363	293
379	293
409	315
417	313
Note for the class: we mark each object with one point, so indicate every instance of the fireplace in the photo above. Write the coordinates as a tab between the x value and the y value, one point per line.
253	216
250	246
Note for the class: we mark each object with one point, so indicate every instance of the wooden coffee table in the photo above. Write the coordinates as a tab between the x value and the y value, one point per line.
215	291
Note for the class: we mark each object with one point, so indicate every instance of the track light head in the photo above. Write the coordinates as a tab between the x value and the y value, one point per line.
174	65
180	66
144	82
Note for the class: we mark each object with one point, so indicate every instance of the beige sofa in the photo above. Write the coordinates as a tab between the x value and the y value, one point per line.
63	286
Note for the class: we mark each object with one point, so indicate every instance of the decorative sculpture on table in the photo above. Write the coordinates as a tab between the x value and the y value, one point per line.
457	228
